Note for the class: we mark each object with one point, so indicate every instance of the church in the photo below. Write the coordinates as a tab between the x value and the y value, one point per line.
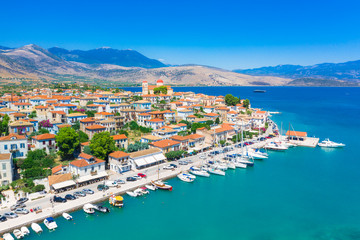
149	89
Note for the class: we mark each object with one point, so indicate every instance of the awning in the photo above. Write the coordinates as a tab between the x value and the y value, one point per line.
150	160
140	162
92	177
160	157
64	184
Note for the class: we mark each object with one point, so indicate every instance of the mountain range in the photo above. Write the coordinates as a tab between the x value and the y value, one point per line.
117	66
347	71
129	67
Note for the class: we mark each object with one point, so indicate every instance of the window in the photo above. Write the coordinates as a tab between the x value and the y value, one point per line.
4	174
43	142
22	145
5	146
4	166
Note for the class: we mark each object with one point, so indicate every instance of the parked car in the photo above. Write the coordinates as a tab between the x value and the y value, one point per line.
79	194
202	156
131	179
119	181
102	187
189	161
21	211
141	175
2	218
173	165
87	191
59	199
183	163
70	197
22	200
111	183
168	167
21	205
10	215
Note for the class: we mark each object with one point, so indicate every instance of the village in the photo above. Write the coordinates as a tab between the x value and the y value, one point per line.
57	140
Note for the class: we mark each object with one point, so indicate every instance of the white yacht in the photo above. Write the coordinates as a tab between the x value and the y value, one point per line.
255	154
25	231
199	172
131	194
216	171
231	165
89	208
67	216
330	144
186	177
141	191
240	165
50	223
36	228
7	236
276	146
18	234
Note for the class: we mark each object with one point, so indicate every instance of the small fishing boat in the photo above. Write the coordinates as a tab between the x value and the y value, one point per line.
161	185
67	216
18	234
259	91
141	191
25	231
131	194
102	209
150	187
36	228
199	172
330	144
89	208
50	223
186	177
116	201
7	236
216	171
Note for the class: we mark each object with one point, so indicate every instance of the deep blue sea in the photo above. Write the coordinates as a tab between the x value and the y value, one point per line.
303	193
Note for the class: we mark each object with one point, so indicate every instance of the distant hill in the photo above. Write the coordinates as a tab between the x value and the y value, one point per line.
125	58
348	71
34	62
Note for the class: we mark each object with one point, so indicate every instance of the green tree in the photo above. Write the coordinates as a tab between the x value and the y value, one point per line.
90	113
87	150
68	142
90	102
246	103
121	131
4	125
217	120
76	125
83	137
102	144
32	114
161	89
172	155
230	100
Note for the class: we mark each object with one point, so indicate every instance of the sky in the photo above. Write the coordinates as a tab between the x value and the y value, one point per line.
227	34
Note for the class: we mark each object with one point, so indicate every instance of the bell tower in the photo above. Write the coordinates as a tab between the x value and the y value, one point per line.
145	88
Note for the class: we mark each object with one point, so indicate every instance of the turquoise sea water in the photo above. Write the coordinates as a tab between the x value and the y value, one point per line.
303	193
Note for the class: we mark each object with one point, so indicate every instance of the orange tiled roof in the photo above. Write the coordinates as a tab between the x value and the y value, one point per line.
119	137
164	143
12	135
95	127
44	136
119	154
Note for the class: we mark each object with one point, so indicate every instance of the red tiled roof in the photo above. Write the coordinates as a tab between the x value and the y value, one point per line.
118	154
12	135
44	136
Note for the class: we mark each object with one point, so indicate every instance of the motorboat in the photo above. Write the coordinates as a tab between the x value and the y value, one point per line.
231	165
67	216
50	223
216	171
330	144
116	201
257	154
199	172
36	228
18	234
150	187
245	161
186	177
141	191
102	209
161	185
131	194
276	146
221	166
89	208
7	236
240	165
25	231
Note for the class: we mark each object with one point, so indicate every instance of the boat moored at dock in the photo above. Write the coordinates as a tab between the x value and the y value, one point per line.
89	208
199	172
67	216
186	177
25	231
216	171
7	236
161	185
36	228
116	201
18	234
50	223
